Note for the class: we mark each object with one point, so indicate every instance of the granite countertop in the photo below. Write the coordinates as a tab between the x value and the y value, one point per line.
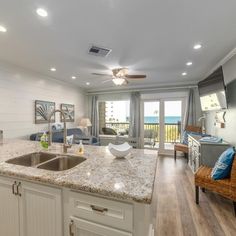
131	178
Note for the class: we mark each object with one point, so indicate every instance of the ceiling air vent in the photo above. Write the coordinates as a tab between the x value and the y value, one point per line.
98	51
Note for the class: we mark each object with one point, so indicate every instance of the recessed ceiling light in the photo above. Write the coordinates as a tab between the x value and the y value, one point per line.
184	73
73	77
53	69
42	12
87	83
197	46
3	29
189	63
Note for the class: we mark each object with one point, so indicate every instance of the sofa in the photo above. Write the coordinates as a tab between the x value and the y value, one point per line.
57	136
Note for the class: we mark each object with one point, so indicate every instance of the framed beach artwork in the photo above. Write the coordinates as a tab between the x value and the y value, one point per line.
69	111
42	110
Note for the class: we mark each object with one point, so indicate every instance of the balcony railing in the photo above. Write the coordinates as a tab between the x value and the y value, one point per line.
151	130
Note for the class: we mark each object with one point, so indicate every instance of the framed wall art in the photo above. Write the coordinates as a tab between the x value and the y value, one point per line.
42	110
69	111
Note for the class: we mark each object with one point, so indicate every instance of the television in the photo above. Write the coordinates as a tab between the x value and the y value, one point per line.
212	91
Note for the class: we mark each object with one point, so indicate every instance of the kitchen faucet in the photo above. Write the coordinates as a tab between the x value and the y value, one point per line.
65	145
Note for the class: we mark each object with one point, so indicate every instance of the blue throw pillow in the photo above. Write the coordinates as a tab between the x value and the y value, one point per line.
223	166
185	137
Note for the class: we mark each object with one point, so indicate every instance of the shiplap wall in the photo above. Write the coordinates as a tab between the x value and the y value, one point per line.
227	133
20	88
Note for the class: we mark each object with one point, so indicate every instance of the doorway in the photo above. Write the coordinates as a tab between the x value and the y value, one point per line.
161	123
150	125
173	123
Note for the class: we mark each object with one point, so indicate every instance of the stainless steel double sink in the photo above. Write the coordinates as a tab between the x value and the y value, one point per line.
47	161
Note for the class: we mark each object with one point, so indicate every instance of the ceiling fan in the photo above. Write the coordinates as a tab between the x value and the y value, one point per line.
120	76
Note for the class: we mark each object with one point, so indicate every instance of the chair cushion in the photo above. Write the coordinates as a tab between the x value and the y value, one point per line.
108	131
74	131
223	166
181	147
57	137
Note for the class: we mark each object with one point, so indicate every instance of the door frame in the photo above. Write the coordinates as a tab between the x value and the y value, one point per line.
162	150
161	133
142	121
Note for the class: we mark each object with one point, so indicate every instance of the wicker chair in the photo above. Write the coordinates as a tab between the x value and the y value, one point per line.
224	187
182	147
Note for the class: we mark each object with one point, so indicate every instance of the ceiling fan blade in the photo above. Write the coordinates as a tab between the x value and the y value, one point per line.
101	74
126	82
135	76
106	81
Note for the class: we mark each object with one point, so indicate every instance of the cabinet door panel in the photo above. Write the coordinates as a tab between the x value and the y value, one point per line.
40	208
9	209
87	228
83	232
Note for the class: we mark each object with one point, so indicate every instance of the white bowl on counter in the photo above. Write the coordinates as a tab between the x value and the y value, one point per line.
119	151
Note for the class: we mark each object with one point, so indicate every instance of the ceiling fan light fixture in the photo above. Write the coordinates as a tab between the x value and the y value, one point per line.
3	29
42	12
120	72
118	81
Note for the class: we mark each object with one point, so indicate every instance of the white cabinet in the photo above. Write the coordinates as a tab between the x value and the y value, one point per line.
201	153
40	210
80	227
89	215
28	209
102	211
9	209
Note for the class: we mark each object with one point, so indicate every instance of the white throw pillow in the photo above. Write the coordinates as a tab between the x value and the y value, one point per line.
69	139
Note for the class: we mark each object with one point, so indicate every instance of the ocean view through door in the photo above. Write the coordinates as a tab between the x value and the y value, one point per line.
162	121
173	120
151	124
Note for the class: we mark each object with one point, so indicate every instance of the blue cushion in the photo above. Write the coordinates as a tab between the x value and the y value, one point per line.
185	136
223	166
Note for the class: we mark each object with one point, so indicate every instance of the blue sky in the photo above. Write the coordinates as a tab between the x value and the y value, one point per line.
172	108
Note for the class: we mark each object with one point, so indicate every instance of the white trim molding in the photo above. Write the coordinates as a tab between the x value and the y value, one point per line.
222	61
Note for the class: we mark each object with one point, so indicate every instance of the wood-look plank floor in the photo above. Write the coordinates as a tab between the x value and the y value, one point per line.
176	211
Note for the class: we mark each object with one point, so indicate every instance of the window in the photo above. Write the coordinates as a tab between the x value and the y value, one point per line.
114	117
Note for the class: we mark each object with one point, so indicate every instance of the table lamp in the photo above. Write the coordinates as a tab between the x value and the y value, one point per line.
85	123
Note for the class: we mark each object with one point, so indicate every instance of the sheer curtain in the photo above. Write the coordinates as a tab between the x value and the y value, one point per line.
94	116
134	127
190	114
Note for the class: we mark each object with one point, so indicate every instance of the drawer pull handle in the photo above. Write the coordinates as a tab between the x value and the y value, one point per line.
17	189
13	188
70	228
99	209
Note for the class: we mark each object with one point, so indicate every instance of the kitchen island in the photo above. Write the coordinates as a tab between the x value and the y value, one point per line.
100	196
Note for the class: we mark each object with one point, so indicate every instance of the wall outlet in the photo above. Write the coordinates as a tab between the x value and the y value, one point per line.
220	125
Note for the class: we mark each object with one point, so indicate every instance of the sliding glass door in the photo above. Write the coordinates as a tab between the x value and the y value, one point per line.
162	120
151	124
173	121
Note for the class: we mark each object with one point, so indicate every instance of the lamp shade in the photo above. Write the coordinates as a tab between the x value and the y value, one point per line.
85	122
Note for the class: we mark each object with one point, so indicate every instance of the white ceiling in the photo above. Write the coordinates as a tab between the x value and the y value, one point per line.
153	37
